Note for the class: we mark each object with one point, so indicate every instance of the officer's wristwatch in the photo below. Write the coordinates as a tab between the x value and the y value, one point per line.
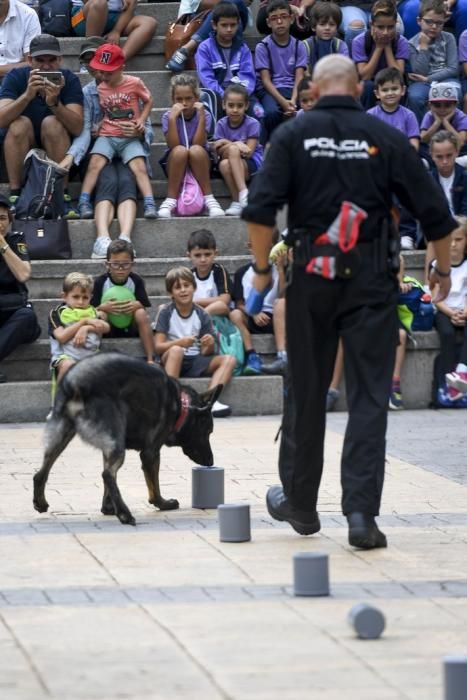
262	270
4	249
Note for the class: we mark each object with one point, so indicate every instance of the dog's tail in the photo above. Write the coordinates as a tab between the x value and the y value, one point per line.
68	399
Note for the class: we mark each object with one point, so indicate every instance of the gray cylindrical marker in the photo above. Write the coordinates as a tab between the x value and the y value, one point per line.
311	574
367	621
207	487
234	522
455	677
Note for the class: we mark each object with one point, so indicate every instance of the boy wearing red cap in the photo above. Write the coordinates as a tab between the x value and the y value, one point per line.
123	99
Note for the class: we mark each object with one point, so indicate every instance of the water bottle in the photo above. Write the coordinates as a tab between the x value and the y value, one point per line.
423	320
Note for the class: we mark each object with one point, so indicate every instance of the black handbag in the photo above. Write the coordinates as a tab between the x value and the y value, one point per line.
47	239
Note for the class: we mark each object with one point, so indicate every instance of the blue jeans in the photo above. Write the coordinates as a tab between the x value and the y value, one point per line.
206	28
273	114
408	10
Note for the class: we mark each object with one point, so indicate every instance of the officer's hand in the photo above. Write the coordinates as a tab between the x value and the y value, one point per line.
444	285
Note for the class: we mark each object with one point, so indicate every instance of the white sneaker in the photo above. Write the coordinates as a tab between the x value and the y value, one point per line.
220	410
100	247
235	209
407	243
214	208
166	208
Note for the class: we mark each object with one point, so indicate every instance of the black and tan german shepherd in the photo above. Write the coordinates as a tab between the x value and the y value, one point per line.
117	403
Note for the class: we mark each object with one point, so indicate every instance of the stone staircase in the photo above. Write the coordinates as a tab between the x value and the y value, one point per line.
159	245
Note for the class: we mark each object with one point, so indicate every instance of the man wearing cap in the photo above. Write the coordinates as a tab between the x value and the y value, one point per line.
36	112
116	186
18	25
18	322
113	19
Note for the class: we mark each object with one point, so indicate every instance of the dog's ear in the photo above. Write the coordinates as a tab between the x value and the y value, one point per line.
209	397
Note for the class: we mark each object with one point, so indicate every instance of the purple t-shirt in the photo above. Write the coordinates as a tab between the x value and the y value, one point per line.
191	126
402	118
359	54
463	47
248	129
459	121
280	61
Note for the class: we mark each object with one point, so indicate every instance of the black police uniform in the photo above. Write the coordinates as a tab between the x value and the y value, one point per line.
334	153
18	321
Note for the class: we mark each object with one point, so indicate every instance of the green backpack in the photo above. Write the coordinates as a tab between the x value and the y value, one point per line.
228	341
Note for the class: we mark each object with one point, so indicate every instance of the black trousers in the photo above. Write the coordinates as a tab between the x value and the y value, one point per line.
453	343
361	311
18	327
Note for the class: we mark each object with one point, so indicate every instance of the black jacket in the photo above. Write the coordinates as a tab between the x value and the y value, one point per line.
337	152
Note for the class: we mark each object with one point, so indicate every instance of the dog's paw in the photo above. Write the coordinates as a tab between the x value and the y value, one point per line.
41	505
168	504
107	507
126	517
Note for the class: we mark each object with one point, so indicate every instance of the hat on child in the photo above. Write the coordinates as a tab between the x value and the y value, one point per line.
443	92
91	44
108	57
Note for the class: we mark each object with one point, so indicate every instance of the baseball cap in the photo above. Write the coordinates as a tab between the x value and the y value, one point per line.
108	57
90	45
443	92
4	202
45	45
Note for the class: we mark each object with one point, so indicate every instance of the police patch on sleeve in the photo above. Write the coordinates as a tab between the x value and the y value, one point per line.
22	248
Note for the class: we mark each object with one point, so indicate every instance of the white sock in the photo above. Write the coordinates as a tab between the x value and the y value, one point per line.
170	200
243	193
209	198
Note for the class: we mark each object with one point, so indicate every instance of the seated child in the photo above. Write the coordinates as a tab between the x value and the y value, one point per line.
186	126
433	55
120	259
213	285
184	337
224	59
280	62
395	397
326	18
389	91
237	145
263	322
305	95
463	63
379	47
75	326
443	114
451	318
120	96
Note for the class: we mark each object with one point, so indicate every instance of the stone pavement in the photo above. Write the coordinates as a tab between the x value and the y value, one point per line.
90	608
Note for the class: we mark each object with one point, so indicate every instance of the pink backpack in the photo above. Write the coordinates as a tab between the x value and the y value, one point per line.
190	200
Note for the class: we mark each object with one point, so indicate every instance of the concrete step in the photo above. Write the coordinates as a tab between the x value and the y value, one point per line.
47	275
163	238
25	402
31	363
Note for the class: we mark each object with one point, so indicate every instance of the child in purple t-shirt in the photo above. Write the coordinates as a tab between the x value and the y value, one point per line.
306	96
237	144
185	128
443	114
463	62
325	18
280	62
379	47
389	90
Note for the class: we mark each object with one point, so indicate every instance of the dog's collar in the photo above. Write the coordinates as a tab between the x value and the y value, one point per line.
184	407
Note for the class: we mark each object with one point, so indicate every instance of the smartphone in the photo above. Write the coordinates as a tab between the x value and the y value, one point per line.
53	76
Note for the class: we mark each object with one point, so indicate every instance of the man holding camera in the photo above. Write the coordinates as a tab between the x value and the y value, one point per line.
41	106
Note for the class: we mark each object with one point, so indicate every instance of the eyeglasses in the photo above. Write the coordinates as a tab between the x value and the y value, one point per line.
278	18
433	22
120	265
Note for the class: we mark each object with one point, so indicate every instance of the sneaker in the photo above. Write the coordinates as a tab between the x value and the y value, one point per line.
331	399
457	380
83	69
235	209
214	208
70	211
454	394
253	364
395	398
177	61
167	207
13	198
100	247
407	243
85	210
220	410
279	366
150	211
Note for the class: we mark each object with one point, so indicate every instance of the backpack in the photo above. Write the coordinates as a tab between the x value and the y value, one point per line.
414	308
311	46
190	200
228	341
213	104
42	192
55	17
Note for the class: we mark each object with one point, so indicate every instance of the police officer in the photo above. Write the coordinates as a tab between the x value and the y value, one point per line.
337	153
18	322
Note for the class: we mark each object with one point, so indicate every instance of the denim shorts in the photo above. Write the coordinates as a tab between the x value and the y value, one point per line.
78	21
112	146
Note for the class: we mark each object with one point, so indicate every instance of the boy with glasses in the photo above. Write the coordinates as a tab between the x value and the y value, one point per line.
120	260
433	56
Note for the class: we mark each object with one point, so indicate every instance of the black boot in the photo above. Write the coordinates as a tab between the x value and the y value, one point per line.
304	522
364	532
